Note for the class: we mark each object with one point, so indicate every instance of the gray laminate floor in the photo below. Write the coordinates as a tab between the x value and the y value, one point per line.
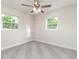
38	50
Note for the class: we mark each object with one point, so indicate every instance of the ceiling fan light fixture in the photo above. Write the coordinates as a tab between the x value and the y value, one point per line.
39	9
35	10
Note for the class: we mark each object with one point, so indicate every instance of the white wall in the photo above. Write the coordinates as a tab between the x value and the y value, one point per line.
32	27
65	35
12	37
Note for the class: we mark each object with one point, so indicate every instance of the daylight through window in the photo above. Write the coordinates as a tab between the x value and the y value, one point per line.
9	22
52	23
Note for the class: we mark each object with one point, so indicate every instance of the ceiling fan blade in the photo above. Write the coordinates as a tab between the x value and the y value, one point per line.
42	11
31	11
46	6
26	5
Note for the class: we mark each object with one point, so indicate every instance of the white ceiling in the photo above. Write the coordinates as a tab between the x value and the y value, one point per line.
16	4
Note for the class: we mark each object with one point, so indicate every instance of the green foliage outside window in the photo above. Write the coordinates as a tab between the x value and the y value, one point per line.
52	23
9	22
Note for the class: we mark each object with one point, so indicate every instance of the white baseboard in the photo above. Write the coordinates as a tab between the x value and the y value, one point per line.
58	45
20	43
14	45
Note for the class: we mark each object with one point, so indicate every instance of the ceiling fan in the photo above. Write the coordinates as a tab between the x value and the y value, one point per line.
37	8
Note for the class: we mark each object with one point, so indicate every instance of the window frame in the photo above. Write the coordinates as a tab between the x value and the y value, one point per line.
9	22
46	24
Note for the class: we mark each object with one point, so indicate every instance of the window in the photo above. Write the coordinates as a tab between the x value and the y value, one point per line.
52	23
9	22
